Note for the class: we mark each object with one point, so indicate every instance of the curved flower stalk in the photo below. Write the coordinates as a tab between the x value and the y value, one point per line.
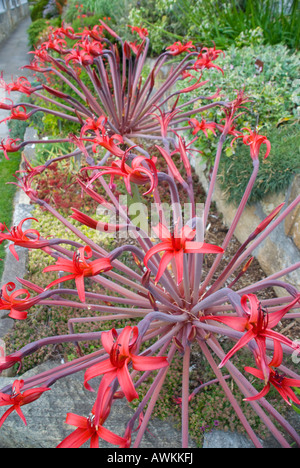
170	303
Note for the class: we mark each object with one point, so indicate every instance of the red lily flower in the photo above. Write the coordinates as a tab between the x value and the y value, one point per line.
18	237
165	119
280	382
93	125
18	399
230	112
54	43
9	146
183	149
79	56
204	61
79	268
22	85
91	428
175	246
136	48
206	57
141	171
66	31
18	113
18	307
142	32
203	125
107	142
211	52
178	48
121	349
28	170
231	130
258	325
94	48
25	185
254	140
41	55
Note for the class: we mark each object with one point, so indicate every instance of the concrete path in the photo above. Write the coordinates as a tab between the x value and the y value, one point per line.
14	55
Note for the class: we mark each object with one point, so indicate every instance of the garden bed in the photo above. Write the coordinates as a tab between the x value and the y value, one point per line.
209	404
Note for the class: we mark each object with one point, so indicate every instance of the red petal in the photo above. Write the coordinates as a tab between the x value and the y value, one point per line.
237	323
146	363
76	439
156	249
126	383
165	260
261	394
110	437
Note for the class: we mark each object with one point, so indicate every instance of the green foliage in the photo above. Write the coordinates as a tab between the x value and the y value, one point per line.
116	10
226	23
275	173
39	27
35	30
37	10
7	168
275	93
163	19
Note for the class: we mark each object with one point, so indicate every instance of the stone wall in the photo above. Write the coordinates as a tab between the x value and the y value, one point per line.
281	248
11	13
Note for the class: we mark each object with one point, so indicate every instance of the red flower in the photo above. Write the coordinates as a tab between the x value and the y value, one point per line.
9	146
258	325
203	125
55	44
25	185
22	85
142	32
18	399
79	56
93	48
79	268
20	237
89	429
18	113
175	246
66	31
165	119
254	140
211	52
93	125
107	142
280	382
205	60
178	48
14	303
92	427
121	350
142	170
